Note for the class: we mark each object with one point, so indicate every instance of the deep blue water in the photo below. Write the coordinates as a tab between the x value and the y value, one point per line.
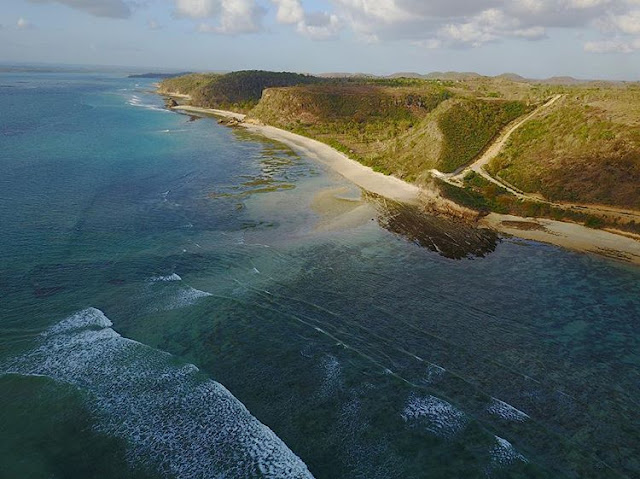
182	299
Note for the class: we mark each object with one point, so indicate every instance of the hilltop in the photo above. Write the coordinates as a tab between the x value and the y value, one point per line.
584	149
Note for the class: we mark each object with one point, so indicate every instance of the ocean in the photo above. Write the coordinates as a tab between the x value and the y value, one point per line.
181	299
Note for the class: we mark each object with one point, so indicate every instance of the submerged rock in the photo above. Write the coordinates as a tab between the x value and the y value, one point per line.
449	237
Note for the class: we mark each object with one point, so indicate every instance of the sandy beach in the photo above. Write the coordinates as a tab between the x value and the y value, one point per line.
363	176
568	235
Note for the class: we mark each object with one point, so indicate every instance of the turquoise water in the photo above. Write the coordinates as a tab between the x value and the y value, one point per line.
182	299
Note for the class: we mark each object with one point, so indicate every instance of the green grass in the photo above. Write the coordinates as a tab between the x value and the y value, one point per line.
577	153
188	84
486	197
238	91
469	127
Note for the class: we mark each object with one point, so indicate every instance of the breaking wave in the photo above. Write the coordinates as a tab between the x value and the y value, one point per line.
438	416
174	419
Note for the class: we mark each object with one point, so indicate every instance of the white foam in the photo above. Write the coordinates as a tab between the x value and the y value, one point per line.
440	417
185	297
332	376
90	317
170	277
137	102
506	411
504	454
174	420
173	295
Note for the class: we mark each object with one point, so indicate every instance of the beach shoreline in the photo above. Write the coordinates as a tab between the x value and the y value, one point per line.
359	174
568	235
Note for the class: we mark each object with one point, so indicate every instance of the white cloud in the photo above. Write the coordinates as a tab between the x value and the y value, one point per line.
587	3
628	23
320	26
621	29
234	16
464	23
240	16
490	25
197	8
315	25
289	12
429	23
608	46
99	8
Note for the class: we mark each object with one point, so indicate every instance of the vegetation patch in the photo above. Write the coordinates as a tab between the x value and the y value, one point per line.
579	152
486	197
366	121
239	91
469	126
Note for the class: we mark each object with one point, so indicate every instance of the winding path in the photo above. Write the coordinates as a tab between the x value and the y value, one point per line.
457	178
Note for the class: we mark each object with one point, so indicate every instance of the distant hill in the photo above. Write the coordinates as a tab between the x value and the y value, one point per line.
511	77
562	80
159	75
453	76
346	75
406	75
240	90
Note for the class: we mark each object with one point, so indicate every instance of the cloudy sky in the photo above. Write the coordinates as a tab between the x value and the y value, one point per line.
536	38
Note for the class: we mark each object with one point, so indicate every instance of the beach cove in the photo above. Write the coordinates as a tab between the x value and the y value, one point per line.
619	246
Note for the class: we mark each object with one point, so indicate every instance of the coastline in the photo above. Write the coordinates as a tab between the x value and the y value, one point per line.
363	176
568	235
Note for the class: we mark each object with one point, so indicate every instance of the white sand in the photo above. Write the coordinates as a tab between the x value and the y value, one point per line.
363	176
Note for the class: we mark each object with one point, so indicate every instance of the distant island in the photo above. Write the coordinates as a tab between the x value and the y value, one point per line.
561	148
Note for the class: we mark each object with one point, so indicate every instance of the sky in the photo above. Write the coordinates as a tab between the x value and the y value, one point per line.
593	39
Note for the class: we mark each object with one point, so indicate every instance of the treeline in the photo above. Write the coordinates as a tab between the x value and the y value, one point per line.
239	91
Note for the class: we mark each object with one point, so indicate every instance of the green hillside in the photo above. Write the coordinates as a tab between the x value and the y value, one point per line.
238	91
585	148
363	120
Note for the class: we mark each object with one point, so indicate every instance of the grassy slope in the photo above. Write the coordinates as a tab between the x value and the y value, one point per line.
187	84
470	125
481	195
401	128
238	91
367	121
585	149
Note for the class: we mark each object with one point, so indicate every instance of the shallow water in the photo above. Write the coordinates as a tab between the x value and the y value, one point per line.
182	299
